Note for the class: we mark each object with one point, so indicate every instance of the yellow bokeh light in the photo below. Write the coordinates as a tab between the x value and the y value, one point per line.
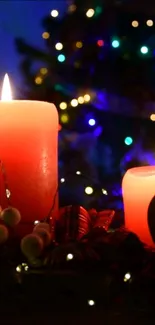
38	80
90	13
63	105
135	23
80	100
89	190
45	35
59	46
54	13
149	22
74	102
64	118
79	45
152	117
86	97
43	71
72	8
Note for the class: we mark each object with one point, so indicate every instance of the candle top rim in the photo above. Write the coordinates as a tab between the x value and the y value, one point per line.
25	101
143	171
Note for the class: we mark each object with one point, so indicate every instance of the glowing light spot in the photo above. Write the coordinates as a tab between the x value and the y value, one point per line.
18	268
6	94
59	46
128	141
8	193
104	191
79	45
90	13
74	102
45	35
62	180
135	23
115	43
63	105
80	100
38	80
78	172
36	222
127	277
91	302
89	190
149	23
91	122
54	13
100	42
69	257
144	49
61	58
43	71
64	118
86	97
152	117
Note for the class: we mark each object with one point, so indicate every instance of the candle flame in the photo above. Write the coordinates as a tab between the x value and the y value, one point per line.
6	89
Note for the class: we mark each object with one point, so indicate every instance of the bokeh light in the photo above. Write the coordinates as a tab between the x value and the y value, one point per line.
90	13
61	58
59	46
89	190
62	180
128	141
135	23
144	49
54	13
64	118
69	257
149	23
78	172
100	42
152	117
91	122
104	191
127	277
43	71
91	302
74	102
63	105
86	97
38	80
71	8
45	35
80	100
115	43
79	45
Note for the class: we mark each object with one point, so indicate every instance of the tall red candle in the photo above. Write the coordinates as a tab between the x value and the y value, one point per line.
28	150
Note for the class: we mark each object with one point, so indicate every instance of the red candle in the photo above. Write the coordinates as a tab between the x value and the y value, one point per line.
28	151
139	203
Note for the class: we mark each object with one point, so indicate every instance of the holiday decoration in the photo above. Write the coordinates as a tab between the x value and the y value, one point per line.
44	234
139	207
32	245
11	216
104	219
4	234
42	225
29	128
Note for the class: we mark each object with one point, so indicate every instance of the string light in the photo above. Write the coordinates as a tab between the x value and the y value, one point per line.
149	23
144	49
91	302
91	122
80	100
135	23
100	42
69	257
74	102
64	118
54	13
59	46
127	277
78	172
62	180
90	13
79	45
36	222
128	141
45	35
115	43
87	98
104	191
61	58
152	117
43	71
89	190
18	268
38	80
63	105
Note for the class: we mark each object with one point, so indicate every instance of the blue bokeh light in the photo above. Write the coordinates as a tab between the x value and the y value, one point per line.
61	58
91	122
144	49
128	141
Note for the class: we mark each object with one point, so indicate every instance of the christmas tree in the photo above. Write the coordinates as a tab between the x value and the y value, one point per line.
98	70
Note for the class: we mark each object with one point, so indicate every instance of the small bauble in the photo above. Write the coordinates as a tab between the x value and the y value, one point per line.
43	225
4	234
44	234
11	216
32	246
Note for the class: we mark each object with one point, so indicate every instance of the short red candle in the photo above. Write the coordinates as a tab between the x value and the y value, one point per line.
28	150
138	190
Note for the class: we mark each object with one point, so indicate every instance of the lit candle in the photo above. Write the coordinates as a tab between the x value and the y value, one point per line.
139	203
28	151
